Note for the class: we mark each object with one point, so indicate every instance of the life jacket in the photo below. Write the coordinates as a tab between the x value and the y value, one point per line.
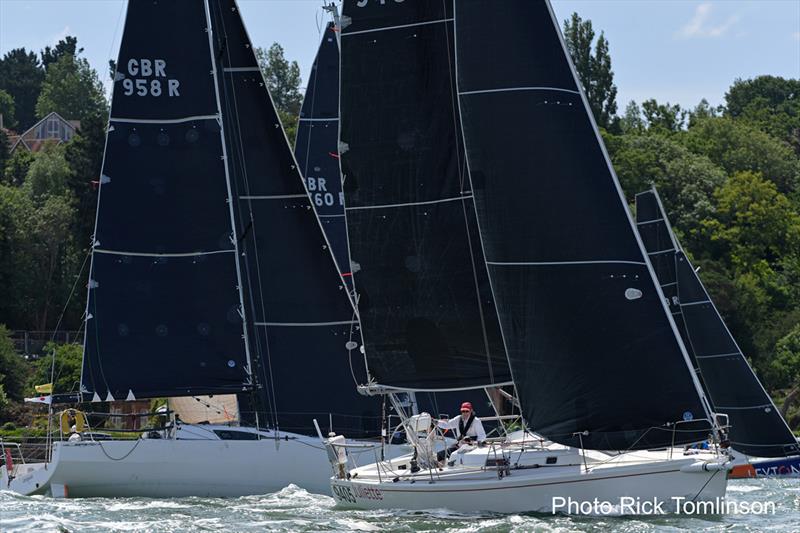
462	427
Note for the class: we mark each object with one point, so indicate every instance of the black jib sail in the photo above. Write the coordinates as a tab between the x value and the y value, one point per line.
298	307
661	245
317	147
423	293
757	428
595	357
163	312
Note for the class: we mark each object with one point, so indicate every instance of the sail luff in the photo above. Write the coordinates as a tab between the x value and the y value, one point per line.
234	237
632	223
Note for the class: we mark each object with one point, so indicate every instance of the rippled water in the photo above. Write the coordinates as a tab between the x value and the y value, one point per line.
293	509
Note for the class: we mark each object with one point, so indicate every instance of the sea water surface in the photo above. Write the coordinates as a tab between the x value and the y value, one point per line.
294	509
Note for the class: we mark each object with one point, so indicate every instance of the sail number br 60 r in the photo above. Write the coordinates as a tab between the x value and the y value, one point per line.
149	82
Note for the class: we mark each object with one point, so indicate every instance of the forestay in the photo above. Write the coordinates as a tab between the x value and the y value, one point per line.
163	314
594	354
424	300
301	318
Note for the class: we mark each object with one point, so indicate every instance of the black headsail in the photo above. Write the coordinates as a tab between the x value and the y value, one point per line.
757	428
661	246
300	314
594	355
164	314
317	147
424	300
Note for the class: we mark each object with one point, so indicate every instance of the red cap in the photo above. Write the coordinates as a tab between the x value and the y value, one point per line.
466	405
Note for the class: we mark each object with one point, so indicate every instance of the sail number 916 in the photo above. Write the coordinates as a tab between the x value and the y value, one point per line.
152	73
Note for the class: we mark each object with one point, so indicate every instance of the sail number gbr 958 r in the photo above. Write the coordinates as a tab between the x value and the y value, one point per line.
148	77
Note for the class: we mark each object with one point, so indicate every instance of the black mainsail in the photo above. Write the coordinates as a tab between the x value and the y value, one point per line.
593	351
164	313
317	147
757	428
423	293
301	318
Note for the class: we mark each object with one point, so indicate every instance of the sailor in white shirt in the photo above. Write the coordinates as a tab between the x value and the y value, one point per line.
467	427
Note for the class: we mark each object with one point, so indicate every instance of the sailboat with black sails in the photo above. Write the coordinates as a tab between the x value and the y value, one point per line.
210	275
473	164
765	444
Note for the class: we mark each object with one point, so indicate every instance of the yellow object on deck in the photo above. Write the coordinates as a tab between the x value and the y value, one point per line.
47	388
72	417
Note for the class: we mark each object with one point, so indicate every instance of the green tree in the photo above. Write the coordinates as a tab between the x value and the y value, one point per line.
17	166
48	174
13	368
3	152
594	70
84	154
66	374
754	222
7	110
632	121
663	117
686	181
65	47
72	89
739	146
21	76
283	81
771	103
702	111
786	364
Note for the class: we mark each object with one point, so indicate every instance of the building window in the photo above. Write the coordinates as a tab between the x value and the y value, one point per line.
53	128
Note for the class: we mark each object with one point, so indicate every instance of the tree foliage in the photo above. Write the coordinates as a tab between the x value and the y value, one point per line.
594	70
65	374
736	145
771	103
283	81
7	110
72	89
21	76
65	47
13	370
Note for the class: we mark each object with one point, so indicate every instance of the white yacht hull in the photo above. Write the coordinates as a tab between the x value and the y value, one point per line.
644	488
164	468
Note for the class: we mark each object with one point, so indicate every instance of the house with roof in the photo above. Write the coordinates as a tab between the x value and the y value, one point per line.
52	127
